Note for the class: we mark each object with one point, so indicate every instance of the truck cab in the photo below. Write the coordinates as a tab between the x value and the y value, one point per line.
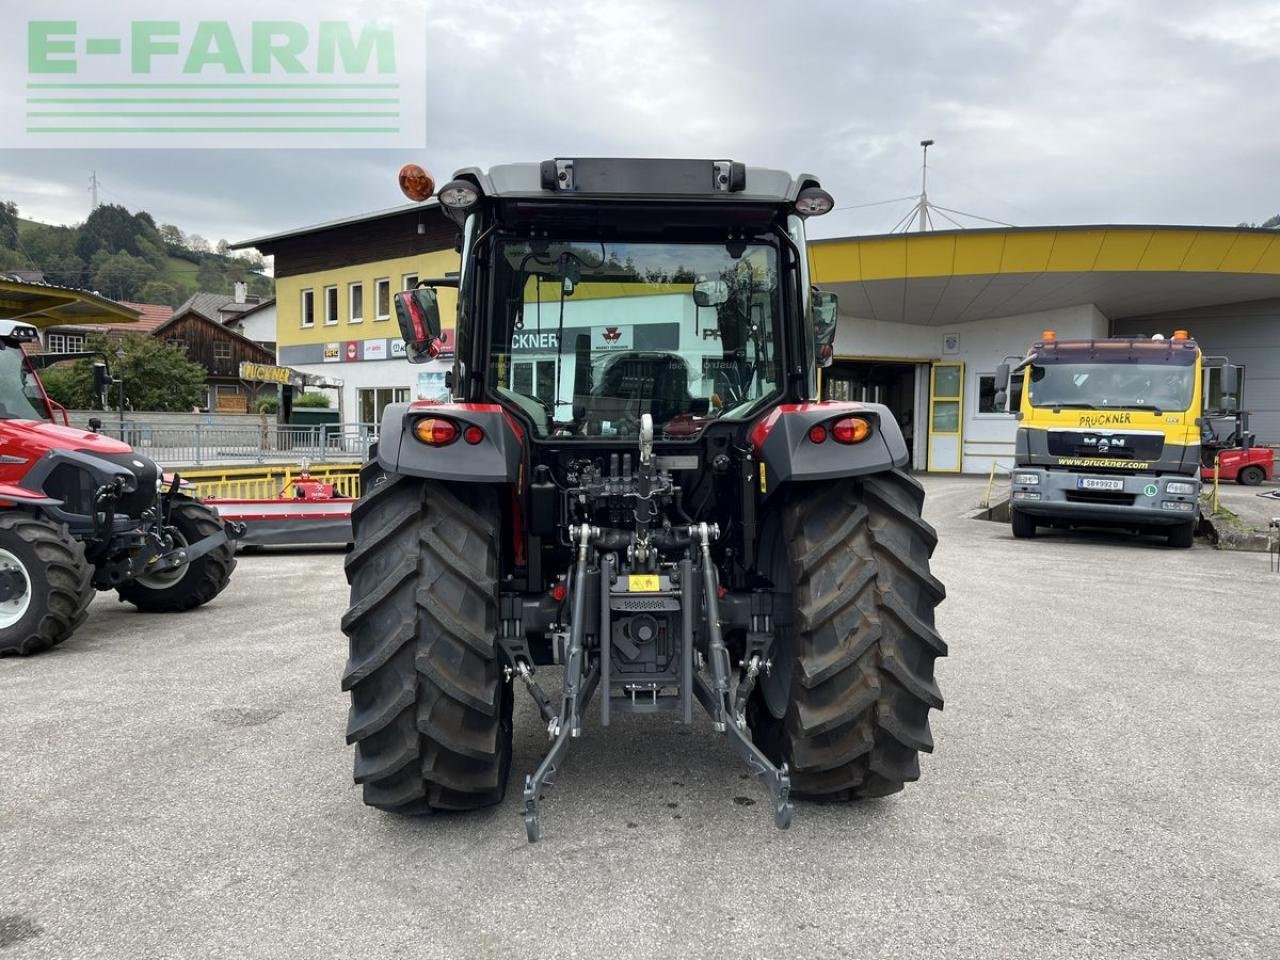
1108	435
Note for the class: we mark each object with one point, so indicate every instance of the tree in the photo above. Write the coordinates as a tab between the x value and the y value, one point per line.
210	277
223	248
120	276
158	291
8	225
53	251
111	228
172	235
197	243
157	375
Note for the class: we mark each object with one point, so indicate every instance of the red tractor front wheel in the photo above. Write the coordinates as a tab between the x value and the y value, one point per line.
45	583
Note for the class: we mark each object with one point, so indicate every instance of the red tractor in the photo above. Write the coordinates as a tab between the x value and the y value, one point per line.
81	512
632	482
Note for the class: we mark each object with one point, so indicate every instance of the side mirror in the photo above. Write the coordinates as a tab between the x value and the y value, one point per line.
826	314
101	381
710	293
1002	380
418	313
1002	399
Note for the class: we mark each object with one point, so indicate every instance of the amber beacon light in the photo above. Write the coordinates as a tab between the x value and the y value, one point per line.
416	183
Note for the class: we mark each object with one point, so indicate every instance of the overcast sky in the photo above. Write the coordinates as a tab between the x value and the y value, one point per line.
1043	113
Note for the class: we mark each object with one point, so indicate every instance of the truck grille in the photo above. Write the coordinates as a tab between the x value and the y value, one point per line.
75	486
1094	443
1117	497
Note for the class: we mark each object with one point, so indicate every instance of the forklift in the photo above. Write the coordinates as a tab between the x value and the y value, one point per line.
1234	451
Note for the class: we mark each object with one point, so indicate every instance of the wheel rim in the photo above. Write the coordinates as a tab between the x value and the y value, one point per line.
163	579
13	610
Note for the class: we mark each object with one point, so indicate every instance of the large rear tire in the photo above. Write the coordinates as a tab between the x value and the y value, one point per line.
50	581
847	702
430	710
197	582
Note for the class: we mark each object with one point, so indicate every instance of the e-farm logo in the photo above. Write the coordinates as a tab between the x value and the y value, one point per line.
94	81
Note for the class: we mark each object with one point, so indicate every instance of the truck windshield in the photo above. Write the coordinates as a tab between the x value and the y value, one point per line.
20	396
588	336
1106	386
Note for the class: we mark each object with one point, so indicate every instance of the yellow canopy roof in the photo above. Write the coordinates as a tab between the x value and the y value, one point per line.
49	306
955	276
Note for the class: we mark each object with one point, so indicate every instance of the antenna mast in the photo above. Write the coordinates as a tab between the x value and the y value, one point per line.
93	189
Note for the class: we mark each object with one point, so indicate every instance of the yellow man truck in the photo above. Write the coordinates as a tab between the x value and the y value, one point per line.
1108	435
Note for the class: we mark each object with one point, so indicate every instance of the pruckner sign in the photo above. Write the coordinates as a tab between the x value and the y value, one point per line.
136	75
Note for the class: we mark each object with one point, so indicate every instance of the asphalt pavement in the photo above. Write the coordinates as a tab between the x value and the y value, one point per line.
1106	784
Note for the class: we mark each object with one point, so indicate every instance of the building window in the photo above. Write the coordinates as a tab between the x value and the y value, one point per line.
373	402
221	350
330	306
355	299
987	395
410	281
308	308
64	343
382	298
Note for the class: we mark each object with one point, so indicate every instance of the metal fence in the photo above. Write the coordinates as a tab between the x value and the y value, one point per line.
186	443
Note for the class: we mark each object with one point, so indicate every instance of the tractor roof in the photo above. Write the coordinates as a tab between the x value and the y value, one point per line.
638	179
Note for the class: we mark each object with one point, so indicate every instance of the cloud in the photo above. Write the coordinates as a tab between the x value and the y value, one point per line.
1054	112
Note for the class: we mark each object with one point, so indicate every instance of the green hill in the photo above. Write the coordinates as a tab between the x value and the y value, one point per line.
126	256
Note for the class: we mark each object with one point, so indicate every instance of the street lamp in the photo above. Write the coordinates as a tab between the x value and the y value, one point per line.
120	380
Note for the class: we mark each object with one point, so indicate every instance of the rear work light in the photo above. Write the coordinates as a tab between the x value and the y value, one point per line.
436	431
850	430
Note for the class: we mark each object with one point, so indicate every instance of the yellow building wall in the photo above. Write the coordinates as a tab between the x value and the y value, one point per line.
289	329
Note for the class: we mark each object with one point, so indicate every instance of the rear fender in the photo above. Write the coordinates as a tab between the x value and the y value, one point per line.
781	442
495	459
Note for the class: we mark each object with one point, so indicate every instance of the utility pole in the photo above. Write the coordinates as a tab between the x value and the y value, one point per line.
93	189
924	181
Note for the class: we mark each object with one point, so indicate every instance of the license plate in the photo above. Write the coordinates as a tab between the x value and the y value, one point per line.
643	583
1099	483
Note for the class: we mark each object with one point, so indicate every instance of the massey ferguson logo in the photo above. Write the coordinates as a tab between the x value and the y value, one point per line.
612	334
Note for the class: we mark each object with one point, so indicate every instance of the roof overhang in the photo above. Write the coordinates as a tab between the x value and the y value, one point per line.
271	239
959	276
49	306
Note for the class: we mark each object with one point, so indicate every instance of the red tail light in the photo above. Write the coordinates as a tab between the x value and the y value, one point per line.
817	433
850	430
473	435
436	431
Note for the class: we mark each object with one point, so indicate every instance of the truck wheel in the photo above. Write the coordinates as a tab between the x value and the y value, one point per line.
1023	526
430	711
846	703
47	581
194	584
1182	536
1251	476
